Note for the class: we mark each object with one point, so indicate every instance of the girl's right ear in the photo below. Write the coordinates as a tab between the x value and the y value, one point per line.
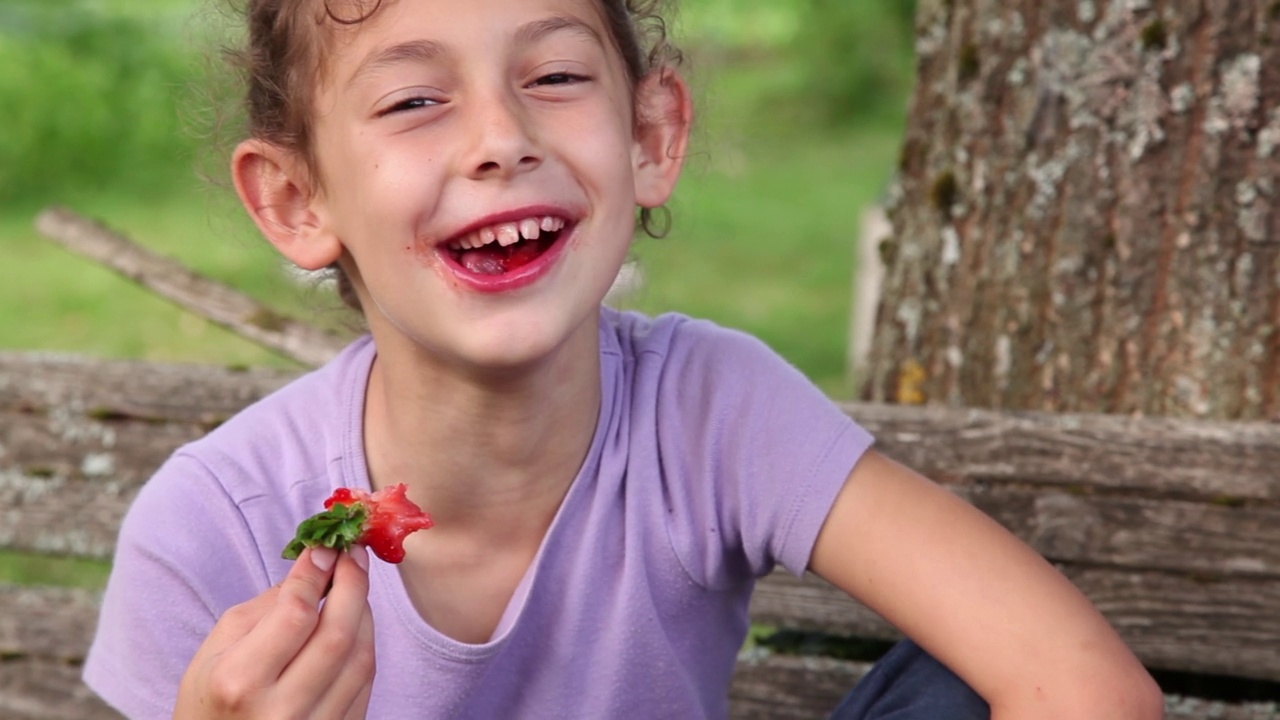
276	189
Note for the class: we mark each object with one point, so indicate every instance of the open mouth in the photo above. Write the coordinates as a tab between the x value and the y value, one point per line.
505	247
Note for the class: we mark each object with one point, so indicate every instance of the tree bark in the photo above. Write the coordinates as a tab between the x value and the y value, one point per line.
1087	216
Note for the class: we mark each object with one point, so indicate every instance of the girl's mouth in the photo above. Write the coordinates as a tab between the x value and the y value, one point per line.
505	247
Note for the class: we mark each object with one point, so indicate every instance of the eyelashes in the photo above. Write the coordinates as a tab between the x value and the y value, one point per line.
409	104
560	78
421	102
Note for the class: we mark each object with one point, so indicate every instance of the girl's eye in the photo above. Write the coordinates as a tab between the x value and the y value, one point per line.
560	78
413	103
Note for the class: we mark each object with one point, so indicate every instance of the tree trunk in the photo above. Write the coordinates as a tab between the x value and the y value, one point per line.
1088	217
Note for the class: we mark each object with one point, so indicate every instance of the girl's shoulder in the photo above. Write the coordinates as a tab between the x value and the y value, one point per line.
294	432
634	334
699	357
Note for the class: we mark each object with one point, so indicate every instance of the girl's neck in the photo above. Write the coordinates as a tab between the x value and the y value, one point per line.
484	452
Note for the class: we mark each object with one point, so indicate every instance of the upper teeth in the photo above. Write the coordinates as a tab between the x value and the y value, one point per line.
509	233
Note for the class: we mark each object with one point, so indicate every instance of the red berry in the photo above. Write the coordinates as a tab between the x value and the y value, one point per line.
379	520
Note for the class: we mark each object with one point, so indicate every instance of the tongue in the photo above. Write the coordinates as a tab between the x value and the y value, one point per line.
496	260
485	261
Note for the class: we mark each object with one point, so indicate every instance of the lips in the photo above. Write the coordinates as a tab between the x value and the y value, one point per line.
504	247
509	250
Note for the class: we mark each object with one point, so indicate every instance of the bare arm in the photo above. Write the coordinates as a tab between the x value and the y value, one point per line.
979	600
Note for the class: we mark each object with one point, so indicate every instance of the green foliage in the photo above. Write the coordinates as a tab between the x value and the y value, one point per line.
857	58
97	99
740	23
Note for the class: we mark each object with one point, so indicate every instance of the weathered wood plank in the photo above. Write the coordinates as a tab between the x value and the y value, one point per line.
1099	528
33	689
1226	461
1171	527
1180	708
59	516
91	468
781	687
79	437
1174	622
54	624
787	687
53	383
45	633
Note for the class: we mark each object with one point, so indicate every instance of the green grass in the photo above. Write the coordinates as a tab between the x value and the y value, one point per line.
51	299
36	569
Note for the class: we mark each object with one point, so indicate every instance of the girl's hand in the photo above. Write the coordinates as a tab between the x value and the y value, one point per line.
281	655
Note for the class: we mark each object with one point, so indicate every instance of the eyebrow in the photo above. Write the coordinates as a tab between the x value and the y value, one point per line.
539	29
423	51
417	51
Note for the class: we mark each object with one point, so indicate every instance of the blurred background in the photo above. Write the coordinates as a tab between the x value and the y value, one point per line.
121	110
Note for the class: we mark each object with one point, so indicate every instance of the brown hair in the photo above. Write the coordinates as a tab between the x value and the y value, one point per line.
281	66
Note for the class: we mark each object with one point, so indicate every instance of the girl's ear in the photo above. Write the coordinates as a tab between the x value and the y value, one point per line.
276	189
664	120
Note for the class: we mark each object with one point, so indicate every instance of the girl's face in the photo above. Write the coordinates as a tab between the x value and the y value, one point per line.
479	172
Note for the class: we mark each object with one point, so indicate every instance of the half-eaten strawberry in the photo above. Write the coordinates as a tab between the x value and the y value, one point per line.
379	521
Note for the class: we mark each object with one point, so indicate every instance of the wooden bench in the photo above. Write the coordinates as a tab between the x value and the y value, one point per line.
1171	527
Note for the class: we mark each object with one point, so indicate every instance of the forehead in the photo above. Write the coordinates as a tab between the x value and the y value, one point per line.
357	32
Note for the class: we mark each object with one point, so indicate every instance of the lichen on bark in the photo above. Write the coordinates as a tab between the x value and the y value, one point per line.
1086	217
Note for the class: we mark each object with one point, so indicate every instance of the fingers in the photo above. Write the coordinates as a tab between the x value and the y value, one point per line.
360	708
337	663
350	696
293	615
238	666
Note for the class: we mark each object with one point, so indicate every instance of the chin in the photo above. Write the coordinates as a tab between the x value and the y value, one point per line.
504	347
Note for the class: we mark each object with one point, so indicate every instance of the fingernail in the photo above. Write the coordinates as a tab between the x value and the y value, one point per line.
324	558
361	556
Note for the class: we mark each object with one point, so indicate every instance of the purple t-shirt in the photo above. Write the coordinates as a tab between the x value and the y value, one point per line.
713	461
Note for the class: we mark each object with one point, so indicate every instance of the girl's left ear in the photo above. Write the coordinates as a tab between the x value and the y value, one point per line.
664	120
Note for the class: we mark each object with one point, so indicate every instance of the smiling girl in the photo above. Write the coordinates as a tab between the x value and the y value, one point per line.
606	487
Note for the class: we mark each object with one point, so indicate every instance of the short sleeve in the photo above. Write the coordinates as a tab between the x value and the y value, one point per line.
760	454
184	556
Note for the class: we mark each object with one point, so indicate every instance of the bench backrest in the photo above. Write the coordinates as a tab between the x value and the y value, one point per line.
1172	527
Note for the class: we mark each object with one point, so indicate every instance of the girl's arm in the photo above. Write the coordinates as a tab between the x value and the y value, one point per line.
979	600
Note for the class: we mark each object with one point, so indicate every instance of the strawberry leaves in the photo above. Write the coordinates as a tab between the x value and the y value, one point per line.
339	527
379	520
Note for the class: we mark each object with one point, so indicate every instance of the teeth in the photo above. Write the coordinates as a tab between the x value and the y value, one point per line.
508	234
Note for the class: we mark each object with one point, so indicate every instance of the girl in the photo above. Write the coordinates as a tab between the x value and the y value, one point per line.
606	487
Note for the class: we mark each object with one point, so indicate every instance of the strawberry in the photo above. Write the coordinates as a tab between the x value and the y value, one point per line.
379	520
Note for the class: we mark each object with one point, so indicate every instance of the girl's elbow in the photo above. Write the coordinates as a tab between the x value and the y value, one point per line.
1127	696
1148	700
1121	696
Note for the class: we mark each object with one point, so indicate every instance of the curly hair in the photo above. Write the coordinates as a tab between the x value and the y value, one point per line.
281	65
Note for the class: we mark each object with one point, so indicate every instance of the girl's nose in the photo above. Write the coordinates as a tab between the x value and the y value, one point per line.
504	143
